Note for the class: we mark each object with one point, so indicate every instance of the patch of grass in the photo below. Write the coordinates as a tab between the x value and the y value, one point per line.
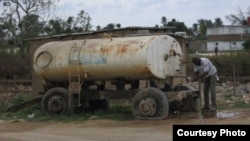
236	105
117	111
16	100
3	106
234	102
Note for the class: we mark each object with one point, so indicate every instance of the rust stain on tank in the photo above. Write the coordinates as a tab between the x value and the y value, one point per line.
122	49
126	49
143	69
106	49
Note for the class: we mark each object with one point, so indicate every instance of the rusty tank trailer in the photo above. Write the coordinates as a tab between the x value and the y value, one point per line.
80	74
130	58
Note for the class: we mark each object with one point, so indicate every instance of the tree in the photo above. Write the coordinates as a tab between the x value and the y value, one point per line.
20	18
246	45
110	26
54	26
218	22
118	25
195	28
200	28
3	42
83	22
98	28
179	26
156	26
164	21
78	24
239	18
203	25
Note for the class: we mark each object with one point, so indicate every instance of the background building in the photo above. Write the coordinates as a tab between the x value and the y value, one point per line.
227	38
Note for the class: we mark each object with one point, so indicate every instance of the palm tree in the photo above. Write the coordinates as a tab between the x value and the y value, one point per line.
239	18
164	21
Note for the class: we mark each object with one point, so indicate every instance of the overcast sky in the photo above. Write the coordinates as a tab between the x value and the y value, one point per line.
150	12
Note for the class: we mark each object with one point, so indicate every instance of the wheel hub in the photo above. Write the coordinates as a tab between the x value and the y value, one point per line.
147	107
56	104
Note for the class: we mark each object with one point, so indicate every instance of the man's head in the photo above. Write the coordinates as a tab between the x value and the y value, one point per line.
196	60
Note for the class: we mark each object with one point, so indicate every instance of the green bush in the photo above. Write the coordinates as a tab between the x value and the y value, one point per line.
246	45
14	66
3	106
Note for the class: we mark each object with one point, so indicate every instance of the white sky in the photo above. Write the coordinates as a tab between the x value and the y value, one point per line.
150	12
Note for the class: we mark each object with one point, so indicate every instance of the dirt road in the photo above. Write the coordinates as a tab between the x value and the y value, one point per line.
110	130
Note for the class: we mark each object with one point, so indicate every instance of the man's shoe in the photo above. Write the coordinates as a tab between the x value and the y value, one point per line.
205	108
213	109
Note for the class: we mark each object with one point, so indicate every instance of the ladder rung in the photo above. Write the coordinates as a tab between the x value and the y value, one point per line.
75	88
75	84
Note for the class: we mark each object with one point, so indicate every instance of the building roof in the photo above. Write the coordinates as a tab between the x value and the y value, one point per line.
166	29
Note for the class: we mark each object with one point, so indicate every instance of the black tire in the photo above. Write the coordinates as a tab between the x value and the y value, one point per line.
56	102
190	104
150	103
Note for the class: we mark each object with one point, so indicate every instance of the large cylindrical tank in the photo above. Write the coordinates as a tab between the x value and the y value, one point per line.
132	58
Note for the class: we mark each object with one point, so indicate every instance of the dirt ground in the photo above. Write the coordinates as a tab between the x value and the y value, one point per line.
129	130
110	130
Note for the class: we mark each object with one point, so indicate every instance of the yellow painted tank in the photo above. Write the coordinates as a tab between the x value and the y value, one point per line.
132	58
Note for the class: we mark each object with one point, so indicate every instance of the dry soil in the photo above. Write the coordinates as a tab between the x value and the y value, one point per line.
111	130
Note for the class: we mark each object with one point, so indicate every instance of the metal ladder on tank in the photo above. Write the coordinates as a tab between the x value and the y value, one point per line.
75	82
75	85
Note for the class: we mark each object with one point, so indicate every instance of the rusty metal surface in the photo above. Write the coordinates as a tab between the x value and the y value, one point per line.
105	59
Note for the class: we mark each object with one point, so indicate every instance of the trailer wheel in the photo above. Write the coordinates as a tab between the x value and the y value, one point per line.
56	102
150	103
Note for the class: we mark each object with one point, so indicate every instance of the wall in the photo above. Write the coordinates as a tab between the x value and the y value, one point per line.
193	47
227	37
225	46
225	30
